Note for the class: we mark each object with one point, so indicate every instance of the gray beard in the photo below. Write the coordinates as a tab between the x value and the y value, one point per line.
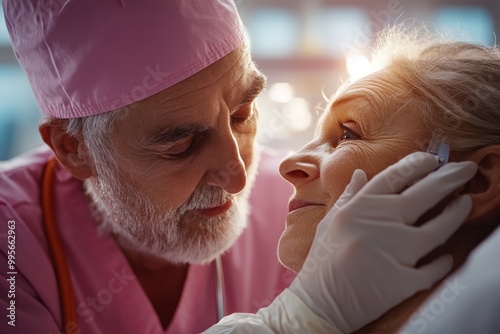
178	235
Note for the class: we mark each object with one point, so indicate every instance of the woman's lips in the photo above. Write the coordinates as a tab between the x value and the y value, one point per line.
298	204
218	210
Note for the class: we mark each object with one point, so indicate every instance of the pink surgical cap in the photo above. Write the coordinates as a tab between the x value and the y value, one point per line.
85	57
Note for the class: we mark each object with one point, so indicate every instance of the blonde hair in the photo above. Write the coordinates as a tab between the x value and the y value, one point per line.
453	86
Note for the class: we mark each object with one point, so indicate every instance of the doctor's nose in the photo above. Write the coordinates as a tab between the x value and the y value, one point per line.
299	168
227	169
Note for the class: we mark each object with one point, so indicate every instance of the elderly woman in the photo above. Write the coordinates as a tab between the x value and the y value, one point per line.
423	86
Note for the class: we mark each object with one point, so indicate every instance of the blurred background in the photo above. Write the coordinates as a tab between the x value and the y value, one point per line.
304	47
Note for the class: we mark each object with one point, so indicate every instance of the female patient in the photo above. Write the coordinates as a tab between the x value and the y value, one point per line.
423	86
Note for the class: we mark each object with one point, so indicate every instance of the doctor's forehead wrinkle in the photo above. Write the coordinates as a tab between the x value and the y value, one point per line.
168	134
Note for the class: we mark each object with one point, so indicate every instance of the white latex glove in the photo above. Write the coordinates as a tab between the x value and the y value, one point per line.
286	314
362	260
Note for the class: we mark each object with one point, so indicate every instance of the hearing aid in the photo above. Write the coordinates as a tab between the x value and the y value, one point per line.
439	146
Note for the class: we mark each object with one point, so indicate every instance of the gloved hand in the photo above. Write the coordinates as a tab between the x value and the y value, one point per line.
362	260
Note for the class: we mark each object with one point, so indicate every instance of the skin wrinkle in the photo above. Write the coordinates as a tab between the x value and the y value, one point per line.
361	105
383	140
141	176
377	99
248	96
179	92
163	138
380	126
151	205
172	118
352	153
400	108
335	167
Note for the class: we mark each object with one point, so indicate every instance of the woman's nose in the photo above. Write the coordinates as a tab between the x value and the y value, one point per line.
299	168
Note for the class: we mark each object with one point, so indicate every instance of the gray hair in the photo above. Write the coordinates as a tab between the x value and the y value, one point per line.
454	86
94	130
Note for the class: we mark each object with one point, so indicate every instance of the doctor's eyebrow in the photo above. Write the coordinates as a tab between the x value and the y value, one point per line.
168	135
258	84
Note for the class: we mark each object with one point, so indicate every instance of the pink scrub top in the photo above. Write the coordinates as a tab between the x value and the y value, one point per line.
108	297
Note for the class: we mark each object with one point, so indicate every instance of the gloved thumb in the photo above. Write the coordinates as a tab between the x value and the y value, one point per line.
358	180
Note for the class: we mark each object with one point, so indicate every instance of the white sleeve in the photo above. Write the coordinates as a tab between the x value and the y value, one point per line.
286	314
468	301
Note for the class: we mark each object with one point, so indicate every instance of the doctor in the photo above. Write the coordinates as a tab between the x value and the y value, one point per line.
133	218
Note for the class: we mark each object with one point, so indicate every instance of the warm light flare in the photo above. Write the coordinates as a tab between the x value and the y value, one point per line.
298	115
281	92
358	66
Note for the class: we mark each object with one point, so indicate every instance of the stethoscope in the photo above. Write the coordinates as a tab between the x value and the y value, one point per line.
63	277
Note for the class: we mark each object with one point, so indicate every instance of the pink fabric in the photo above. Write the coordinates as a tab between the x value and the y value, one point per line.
109	298
85	57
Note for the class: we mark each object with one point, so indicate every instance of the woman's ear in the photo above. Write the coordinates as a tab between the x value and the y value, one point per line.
484	188
70	152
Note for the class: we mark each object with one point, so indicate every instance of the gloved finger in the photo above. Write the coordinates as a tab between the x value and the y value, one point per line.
396	177
441	227
408	244
430	190
429	274
358	180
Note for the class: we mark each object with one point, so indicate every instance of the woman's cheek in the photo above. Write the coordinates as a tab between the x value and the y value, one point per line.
338	167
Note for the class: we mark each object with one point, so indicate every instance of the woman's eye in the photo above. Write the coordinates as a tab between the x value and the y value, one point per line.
348	134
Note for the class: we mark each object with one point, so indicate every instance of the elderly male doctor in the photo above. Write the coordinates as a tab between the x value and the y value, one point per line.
133	218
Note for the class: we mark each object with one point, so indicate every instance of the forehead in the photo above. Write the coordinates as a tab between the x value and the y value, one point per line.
377	97
228	78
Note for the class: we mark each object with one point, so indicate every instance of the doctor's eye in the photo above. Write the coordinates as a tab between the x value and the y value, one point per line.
179	148
243	116
348	134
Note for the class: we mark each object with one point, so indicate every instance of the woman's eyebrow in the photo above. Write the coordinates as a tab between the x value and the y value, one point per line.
355	112
348	97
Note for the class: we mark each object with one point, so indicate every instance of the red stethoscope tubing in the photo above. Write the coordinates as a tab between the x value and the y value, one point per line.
65	286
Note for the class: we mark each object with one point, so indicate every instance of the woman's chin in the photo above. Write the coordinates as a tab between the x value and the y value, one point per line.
293	248
298	236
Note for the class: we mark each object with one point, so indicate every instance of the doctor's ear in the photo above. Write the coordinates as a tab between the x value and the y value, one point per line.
484	188
70	152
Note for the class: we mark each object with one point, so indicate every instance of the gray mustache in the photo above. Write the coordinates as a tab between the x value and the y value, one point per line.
206	197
